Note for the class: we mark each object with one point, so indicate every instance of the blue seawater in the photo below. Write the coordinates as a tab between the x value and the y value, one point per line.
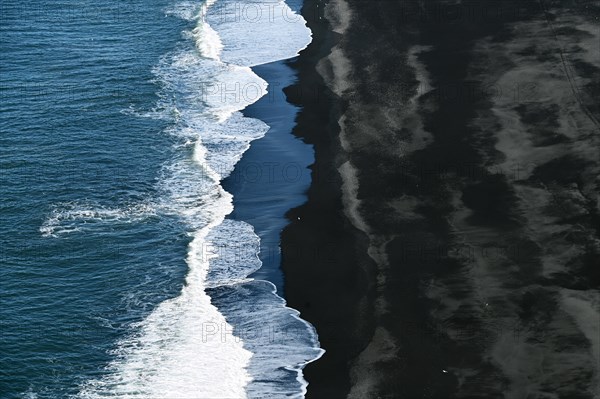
117	124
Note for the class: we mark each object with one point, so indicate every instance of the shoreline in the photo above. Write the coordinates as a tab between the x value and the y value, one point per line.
304	217
272	176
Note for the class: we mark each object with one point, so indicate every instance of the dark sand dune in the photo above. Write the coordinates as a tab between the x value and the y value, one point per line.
461	149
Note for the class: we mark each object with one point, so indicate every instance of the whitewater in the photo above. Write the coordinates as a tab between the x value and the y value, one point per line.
186	348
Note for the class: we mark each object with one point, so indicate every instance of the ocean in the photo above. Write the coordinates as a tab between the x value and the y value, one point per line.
122	274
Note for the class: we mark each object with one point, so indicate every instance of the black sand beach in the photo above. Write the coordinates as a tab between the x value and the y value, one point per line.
450	244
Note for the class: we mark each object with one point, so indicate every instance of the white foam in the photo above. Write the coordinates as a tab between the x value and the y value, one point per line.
199	83
224	143
207	39
185	348
178	350
258	32
69	217
280	341
233	248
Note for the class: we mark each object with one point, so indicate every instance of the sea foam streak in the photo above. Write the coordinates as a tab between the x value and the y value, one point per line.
186	348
